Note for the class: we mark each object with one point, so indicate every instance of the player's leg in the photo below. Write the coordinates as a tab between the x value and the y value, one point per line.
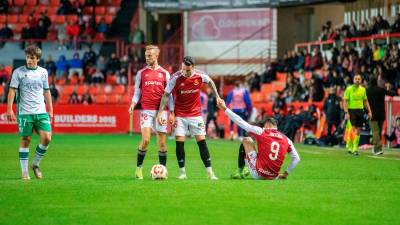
379	141
161	139
42	125
197	128
251	156
180	133
357	122
25	126
356	141
142	150
241	163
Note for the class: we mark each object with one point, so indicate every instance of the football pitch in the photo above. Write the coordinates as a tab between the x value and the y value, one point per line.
88	179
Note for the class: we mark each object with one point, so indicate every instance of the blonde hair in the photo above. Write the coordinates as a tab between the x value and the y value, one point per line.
151	47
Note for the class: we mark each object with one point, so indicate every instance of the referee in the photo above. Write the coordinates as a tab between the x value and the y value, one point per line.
355	100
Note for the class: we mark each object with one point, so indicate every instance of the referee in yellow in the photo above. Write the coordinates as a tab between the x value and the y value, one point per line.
355	100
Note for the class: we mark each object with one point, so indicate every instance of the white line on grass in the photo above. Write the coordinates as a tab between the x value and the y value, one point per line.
381	157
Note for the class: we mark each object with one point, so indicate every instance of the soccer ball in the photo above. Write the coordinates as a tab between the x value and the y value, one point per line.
158	172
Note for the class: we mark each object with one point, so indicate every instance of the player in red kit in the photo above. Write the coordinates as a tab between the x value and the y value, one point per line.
272	148
150	83
186	85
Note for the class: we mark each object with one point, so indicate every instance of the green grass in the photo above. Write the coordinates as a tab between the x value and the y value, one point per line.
89	180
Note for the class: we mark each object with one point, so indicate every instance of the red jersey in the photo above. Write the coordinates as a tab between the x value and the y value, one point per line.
272	149
187	93
149	87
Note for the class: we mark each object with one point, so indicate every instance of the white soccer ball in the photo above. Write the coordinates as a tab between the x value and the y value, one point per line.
158	172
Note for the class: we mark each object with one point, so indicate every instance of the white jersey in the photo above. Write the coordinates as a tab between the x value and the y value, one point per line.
30	85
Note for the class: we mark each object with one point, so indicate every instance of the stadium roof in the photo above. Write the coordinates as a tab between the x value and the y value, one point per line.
218	4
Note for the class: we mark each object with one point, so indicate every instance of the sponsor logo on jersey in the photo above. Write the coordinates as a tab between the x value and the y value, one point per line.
266	172
182	84
189	91
160	75
147	83
196	82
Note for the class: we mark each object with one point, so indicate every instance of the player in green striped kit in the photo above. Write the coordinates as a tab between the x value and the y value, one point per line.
355	100
31	87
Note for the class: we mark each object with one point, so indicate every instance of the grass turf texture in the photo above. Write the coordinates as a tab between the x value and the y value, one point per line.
89	180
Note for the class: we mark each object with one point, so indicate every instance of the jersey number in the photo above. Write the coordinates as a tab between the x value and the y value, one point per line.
274	150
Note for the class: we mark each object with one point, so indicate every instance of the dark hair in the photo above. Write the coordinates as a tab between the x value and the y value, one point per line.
373	82
33	50
188	61
271	121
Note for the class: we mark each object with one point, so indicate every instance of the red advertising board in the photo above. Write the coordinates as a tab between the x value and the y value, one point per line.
82	119
232	25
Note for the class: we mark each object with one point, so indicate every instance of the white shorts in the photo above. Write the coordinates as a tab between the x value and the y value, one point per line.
251	161
195	126
148	119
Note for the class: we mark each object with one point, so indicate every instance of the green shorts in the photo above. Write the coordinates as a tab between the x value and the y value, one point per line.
26	123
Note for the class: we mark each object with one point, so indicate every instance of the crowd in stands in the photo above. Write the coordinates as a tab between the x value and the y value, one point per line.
377	25
73	21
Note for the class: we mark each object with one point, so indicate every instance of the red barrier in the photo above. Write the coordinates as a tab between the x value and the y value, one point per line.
83	119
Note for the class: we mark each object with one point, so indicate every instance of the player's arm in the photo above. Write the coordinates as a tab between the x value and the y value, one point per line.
213	87
166	98
238	120
295	159
137	94
366	105
14	84
49	103
10	101
346	98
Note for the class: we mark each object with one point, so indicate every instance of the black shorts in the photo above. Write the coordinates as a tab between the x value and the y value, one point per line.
356	117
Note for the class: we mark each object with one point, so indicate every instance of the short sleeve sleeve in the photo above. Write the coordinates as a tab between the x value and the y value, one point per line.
171	84
346	94
45	80
15	79
205	78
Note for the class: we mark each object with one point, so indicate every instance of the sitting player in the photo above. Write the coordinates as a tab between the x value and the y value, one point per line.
272	147
395	134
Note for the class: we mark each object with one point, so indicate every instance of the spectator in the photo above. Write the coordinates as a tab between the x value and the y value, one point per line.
239	101
97	77
136	37
45	18
122	75
73	33
279	102
292	90
50	65
316	59
4	74
54	92
77	8
74	98
395	135
254	82
89	56
61	35
65	8
5	33
381	25
212	110
102	27
62	67
376	98
332	110
102	64
168	33
86	99
87	34
75	65
40	31
113	63
317	90
4	4
396	25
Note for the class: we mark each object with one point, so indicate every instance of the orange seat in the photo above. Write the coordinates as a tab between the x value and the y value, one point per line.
111	79
113	99
81	89
12	19
59	19
2	18
19	2
63	99
55	2
18	27
93	90
100	10
40	8
52	10
125	99
88	10
101	99
98	18
119	89
23	18
73	18
1	90
68	89
112	10
31	2
109	19
116	2
281	77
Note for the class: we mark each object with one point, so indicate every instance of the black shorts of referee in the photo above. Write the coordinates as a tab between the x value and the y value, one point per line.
356	117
